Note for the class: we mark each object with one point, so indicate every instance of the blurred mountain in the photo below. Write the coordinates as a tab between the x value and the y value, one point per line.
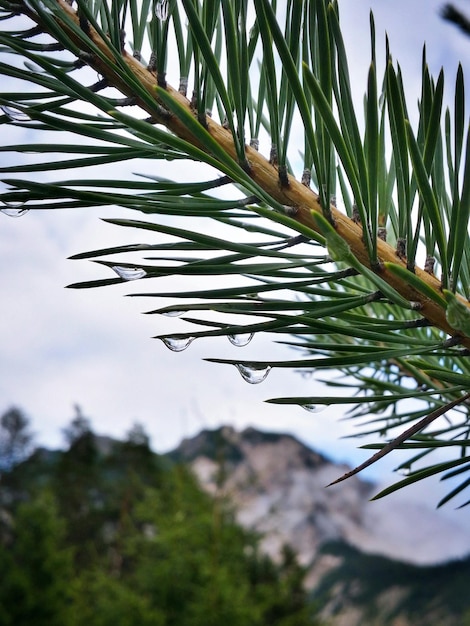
278	486
368	562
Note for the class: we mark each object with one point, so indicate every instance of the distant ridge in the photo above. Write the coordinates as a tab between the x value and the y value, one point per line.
278	486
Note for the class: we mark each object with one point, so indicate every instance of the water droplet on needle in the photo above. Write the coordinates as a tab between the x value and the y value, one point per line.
177	344
14	211
15	115
129	273
253	374
243	339
314	408
161	10
173	313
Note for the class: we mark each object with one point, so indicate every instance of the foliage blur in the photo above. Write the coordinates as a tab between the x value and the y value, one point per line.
109	533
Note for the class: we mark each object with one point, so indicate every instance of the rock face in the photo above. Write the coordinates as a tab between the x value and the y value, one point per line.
278	487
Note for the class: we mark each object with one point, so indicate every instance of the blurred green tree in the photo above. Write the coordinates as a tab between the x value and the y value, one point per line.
16	438
115	536
36	566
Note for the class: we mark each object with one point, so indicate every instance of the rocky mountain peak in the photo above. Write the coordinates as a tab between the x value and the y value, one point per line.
278	486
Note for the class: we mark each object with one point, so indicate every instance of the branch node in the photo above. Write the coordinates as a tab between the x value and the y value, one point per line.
377	266
183	86
273	155
161	80
84	23
356	216
164	113
202	119
306	177
382	233
122	39
429	265
401	248
283	177
289	210
152	64
85	58
455	340
246	165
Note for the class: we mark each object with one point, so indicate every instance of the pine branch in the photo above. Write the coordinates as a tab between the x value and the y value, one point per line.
302	200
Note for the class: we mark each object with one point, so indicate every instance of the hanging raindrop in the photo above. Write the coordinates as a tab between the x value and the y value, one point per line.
177	344
15	115
129	273
161	10
253	374
314	408
243	339
173	313
14	211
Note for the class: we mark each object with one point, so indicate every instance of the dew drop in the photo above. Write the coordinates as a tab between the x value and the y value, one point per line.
177	344
313	408
14	211
243	339
129	273
15	115
404	471
161	10
173	313
253	374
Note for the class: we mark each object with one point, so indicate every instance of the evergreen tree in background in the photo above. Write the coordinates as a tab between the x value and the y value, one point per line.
121	537
36	566
15	438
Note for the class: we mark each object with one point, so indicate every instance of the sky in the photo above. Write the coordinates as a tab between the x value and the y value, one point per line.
94	348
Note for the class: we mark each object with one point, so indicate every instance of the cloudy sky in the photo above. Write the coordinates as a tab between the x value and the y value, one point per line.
61	347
